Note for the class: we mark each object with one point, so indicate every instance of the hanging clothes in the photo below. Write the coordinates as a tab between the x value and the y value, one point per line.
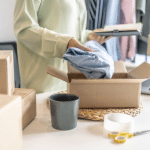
146	20
111	17
106	12
101	14
140	10
142	45
91	13
127	16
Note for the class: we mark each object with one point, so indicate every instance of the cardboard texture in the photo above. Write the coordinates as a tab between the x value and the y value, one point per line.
148	46
28	105
122	90
7	84
10	122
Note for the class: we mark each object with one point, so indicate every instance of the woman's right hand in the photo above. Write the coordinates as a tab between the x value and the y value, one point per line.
74	43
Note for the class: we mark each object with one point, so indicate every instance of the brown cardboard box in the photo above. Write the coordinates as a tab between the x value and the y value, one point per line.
28	105
122	90
7	84
10	122
148	45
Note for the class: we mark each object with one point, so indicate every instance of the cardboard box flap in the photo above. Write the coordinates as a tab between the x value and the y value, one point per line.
57	73
119	67
141	72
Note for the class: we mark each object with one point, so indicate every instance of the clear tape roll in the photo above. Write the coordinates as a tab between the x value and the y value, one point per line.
119	122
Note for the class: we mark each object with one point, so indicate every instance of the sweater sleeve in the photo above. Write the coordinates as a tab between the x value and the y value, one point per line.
40	40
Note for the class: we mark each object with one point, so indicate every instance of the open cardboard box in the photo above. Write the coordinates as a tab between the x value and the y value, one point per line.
122	90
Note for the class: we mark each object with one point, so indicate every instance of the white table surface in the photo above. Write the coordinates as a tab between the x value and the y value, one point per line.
88	135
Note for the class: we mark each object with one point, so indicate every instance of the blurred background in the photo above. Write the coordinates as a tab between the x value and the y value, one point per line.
132	50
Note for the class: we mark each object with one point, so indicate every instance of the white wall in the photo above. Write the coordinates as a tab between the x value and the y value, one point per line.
6	20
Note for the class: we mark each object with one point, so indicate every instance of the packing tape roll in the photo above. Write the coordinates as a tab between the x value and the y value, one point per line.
119	122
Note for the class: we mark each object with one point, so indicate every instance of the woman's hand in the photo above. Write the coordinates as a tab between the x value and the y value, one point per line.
74	43
99	39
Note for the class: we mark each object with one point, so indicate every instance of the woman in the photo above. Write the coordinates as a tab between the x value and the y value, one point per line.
45	29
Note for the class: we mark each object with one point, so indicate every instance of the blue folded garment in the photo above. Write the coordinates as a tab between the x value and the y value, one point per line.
94	65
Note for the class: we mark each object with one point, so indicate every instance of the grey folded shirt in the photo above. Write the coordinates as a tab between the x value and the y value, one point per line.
94	65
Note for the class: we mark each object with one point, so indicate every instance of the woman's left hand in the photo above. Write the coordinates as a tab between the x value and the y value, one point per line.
99	39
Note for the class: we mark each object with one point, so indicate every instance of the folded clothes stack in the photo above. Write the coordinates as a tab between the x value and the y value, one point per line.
94	65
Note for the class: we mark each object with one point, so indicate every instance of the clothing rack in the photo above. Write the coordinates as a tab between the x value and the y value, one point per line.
146	27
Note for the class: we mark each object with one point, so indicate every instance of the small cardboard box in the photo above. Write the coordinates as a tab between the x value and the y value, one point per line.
7	85
122	90
10	122
28	105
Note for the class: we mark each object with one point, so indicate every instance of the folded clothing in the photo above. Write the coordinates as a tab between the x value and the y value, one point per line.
94	65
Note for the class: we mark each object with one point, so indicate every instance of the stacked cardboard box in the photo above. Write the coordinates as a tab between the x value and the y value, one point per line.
10	122
7	86
28	105
6	72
